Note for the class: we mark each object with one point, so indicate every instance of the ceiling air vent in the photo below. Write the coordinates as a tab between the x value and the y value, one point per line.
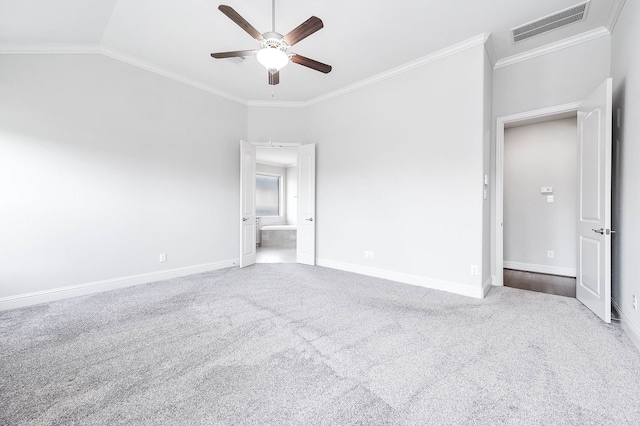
551	22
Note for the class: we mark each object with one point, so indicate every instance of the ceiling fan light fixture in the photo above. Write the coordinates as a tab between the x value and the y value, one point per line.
273	46
273	59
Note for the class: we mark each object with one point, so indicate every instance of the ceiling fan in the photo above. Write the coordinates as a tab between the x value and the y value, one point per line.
273	46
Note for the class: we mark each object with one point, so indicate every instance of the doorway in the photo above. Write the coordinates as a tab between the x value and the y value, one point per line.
530	117
276	203
540	204
305	227
593	281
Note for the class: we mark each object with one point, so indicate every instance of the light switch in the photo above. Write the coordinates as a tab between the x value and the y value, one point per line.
549	198
546	189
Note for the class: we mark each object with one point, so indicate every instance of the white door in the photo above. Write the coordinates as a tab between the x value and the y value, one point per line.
593	287
306	245
247	204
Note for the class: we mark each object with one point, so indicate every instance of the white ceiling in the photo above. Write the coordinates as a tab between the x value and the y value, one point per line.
360	38
285	157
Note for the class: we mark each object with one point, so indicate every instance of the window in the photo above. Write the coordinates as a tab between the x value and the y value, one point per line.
267	195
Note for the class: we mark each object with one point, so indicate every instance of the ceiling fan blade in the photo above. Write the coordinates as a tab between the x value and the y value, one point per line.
274	78
310	63
235	17
222	55
303	30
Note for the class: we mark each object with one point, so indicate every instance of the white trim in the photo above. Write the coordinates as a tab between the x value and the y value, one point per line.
8	48
542	269
168	74
632	332
499	182
48	49
277	104
84	49
616	9
441	54
449	286
44	296
491	51
272	144
553	47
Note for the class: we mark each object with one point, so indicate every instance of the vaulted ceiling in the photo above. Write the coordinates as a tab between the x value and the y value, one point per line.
360	38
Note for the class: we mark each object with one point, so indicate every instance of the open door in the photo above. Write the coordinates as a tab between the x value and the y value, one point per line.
593	286
306	245
247	204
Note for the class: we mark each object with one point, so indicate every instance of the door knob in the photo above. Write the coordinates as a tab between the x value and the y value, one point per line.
310	219
598	231
244	219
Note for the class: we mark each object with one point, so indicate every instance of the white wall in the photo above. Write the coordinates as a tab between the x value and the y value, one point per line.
399	173
292	195
568	75
558	78
626	172
104	166
536	155
277	124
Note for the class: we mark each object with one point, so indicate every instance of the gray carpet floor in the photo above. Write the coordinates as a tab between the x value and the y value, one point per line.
292	344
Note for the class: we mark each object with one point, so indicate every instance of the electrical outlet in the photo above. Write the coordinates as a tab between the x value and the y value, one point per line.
635	302
474	269
549	198
163	257
549	254
370	255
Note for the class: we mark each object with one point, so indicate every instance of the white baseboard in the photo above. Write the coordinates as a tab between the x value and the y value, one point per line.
450	286
632	332
44	296
542	269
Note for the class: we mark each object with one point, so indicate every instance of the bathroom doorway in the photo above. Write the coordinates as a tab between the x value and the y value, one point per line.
276	204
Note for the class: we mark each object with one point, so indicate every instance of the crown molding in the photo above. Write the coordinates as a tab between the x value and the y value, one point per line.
491	50
616	9
92	49
48	49
168	74
441	54
277	104
553	47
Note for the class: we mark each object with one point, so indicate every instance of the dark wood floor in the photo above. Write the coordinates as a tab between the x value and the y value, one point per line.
543	283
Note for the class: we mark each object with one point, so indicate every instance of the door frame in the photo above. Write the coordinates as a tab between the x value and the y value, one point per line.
534	115
272	144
